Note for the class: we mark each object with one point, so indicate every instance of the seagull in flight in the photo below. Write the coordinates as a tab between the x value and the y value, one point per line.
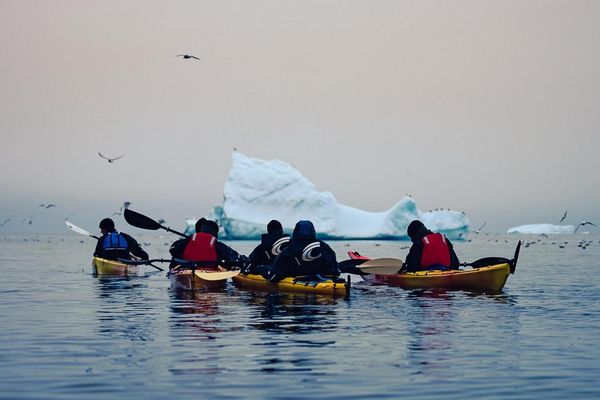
582	224
46	205
479	230
110	160
5	222
563	217
187	56
125	206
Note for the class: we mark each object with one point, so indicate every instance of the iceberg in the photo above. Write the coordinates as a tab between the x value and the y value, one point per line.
538	229
258	190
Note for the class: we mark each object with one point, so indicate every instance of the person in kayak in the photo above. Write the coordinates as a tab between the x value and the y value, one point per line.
271	245
113	245
204	245
304	256
429	251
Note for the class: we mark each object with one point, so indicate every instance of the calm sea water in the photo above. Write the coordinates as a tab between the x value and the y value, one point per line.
66	334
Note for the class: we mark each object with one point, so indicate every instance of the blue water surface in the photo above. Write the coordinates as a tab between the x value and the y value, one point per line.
66	334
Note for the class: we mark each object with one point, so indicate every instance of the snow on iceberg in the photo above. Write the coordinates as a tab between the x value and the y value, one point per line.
538	229
259	190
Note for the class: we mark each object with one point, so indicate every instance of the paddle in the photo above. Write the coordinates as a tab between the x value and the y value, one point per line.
82	231
141	221
487	261
216	276
382	266
79	230
206	275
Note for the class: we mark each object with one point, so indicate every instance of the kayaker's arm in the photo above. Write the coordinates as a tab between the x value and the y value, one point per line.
134	247
228	254
413	258
98	251
454	262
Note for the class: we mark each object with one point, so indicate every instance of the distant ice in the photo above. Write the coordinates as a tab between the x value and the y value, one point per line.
260	190
538	229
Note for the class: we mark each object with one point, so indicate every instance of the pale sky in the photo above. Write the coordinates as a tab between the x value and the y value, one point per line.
491	107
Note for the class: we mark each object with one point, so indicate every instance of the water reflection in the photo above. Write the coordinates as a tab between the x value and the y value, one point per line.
123	308
196	312
292	313
450	327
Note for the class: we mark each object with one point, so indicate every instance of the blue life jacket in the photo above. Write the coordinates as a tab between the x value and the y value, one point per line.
114	241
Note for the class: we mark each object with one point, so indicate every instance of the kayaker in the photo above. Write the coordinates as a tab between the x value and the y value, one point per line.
204	245
113	245
429	251
271	245
304	255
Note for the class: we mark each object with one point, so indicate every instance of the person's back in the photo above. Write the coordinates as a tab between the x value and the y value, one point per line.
204	246
271	245
113	245
305	255
429	251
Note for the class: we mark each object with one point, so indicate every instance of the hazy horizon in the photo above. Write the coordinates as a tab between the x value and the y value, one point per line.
480	106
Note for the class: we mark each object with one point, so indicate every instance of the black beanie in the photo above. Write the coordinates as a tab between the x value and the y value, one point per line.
199	224
107	224
274	227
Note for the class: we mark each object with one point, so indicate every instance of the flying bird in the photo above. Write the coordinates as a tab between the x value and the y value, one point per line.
125	206
582	224
187	56
479	230
563	217
5	222
110	159
46	205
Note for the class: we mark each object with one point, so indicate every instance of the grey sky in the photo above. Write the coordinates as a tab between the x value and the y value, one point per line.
491	107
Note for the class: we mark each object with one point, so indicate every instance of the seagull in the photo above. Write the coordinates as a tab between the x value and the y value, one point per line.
479	230
187	56
110	159
582	224
125	206
5	222
563	217
46	205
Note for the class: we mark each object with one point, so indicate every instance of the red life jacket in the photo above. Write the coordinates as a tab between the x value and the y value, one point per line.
201	247
435	251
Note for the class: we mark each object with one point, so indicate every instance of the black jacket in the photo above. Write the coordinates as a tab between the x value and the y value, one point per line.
413	259
133	247
305	255
270	247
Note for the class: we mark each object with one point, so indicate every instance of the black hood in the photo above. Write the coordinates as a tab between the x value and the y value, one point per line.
304	230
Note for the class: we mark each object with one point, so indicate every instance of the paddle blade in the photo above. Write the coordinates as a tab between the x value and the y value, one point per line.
140	221
382	266
215	276
513	262
487	261
79	230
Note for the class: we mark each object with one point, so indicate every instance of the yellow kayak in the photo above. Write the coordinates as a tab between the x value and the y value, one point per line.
334	287
102	266
485	279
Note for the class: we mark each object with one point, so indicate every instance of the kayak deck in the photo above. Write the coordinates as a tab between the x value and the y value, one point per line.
293	285
103	266
485	279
